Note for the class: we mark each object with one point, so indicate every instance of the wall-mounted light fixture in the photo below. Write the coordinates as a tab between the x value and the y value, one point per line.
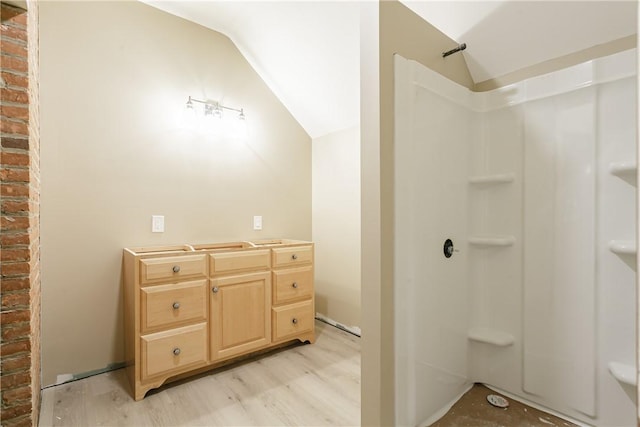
214	109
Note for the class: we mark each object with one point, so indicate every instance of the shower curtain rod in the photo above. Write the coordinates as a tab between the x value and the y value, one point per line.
460	48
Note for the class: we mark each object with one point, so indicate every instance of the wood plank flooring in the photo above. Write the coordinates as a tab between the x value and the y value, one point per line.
302	385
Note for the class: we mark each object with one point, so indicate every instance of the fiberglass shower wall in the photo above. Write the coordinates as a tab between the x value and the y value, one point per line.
535	184
431	206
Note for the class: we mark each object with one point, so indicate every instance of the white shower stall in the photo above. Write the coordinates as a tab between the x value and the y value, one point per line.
535	185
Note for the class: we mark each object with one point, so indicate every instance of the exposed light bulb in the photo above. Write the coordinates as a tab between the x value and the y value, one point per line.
218	111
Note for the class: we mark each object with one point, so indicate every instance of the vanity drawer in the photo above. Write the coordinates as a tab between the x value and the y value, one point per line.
165	305
172	268
235	262
173	350
292	284
291	320
291	256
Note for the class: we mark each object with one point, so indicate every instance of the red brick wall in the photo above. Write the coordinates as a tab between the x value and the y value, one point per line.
20	213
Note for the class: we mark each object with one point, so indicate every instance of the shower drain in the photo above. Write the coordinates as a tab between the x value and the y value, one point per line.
497	401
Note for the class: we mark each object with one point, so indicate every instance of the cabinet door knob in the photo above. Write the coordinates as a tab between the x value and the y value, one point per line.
215	290
176	351
294	321
294	285
176	269
294	256
176	305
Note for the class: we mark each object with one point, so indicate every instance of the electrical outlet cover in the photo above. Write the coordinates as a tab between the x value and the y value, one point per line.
157	223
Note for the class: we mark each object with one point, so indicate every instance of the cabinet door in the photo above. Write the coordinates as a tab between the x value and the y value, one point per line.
240	314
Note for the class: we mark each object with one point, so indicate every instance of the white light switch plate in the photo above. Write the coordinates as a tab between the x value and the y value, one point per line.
157	223
257	222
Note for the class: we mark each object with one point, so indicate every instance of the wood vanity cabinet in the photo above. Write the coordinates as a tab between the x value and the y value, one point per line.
190	308
292	311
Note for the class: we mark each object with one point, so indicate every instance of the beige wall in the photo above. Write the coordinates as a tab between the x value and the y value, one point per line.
336	225
370	368
638	228
115	150
399	31
555	64
405	33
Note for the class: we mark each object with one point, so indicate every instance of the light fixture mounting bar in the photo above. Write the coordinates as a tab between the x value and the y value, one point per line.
214	105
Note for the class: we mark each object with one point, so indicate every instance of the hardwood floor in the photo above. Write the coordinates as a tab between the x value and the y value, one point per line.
302	385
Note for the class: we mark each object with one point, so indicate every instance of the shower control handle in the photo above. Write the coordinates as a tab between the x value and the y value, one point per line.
448	248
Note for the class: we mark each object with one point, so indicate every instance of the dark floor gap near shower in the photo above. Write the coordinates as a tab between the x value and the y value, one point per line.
473	410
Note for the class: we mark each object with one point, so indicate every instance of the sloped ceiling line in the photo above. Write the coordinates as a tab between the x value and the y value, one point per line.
308	51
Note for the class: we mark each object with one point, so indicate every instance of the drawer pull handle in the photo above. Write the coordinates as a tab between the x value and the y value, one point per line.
176	351
294	321
176	269
294	256
215	290
294	285
176	305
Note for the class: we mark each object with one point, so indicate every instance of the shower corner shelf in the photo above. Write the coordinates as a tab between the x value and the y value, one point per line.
490	336
625	374
491	179
492	240
623	247
623	169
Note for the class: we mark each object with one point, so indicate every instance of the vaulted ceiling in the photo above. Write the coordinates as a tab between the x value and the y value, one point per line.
505	36
308	51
